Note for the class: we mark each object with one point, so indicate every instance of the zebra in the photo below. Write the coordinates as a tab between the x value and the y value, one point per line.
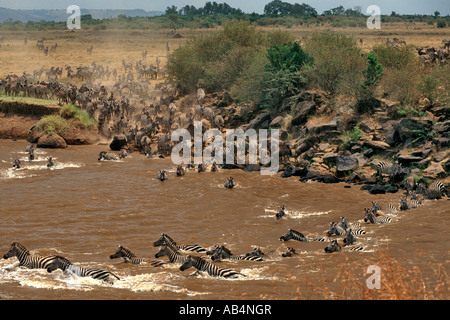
50	162
392	170
370	217
162	175
435	190
333	247
406	204
164	239
180	171
221	253
205	266
229	183
103	155
255	252
341	228
127	255
289	253
16	164
69	268
26	259
281	212
295	235
172	253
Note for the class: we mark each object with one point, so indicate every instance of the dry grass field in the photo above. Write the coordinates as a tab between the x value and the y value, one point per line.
110	47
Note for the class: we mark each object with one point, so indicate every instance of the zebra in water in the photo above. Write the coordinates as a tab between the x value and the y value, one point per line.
295	235
229	183
164	239
26	259
333	247
338	229
69	268
172	253
223	253
162	175
390	209
17	164
127	255
205	266
406	204
281	212
370	217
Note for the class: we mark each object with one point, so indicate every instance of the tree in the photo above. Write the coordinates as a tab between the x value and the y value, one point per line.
437	13
372	77
171	10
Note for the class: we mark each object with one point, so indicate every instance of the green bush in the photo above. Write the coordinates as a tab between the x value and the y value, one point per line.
338	63
52	124
70	111
372	77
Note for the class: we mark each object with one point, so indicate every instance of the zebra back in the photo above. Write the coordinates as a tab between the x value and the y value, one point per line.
205	266
435	190
186	247
172	253
128	255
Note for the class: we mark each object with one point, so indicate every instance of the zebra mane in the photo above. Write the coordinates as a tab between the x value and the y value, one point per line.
127	251
226	250
20	246
296	233
62	259
168	239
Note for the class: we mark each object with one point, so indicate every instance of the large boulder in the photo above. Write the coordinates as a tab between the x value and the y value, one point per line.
119	141
346	163
434	171
303	110
257	122
413	128
51	141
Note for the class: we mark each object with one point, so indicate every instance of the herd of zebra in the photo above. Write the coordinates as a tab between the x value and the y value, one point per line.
415	195
186	256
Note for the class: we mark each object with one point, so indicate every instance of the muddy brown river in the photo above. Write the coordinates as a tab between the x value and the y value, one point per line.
83	209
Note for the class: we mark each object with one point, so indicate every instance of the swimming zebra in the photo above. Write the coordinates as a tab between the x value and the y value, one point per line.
333	247
69	268
162	175
127	255
206	266
180	171
281	212
172	253
295	235
370	217
406	204
289	253
391	209
16	164
223	253
50	162
338	230
185	247
26	259
229	183
255	252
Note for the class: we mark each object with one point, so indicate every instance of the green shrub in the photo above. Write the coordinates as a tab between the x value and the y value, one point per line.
52	124
70	111
338	63
372	77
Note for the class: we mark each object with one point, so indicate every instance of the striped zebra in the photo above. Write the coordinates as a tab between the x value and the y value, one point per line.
435	190
164	239
172	253
26	259
281	212
392	170
370	217
205	266
222	253
376	208
295	235
337	230
128	256
406	204
69	268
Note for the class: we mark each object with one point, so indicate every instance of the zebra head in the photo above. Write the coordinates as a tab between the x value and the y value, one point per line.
162	175
256	252
164	239
343	222
281	212
334	229
121	252
289	253
190	262
375	206
292	234
369	216
58	263
333	247
213	250
349	238
404	203
15	250
221	253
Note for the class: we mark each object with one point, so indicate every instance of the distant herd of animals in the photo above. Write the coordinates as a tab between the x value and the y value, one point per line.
341	235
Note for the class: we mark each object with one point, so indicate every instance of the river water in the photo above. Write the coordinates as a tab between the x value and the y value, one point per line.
83	209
